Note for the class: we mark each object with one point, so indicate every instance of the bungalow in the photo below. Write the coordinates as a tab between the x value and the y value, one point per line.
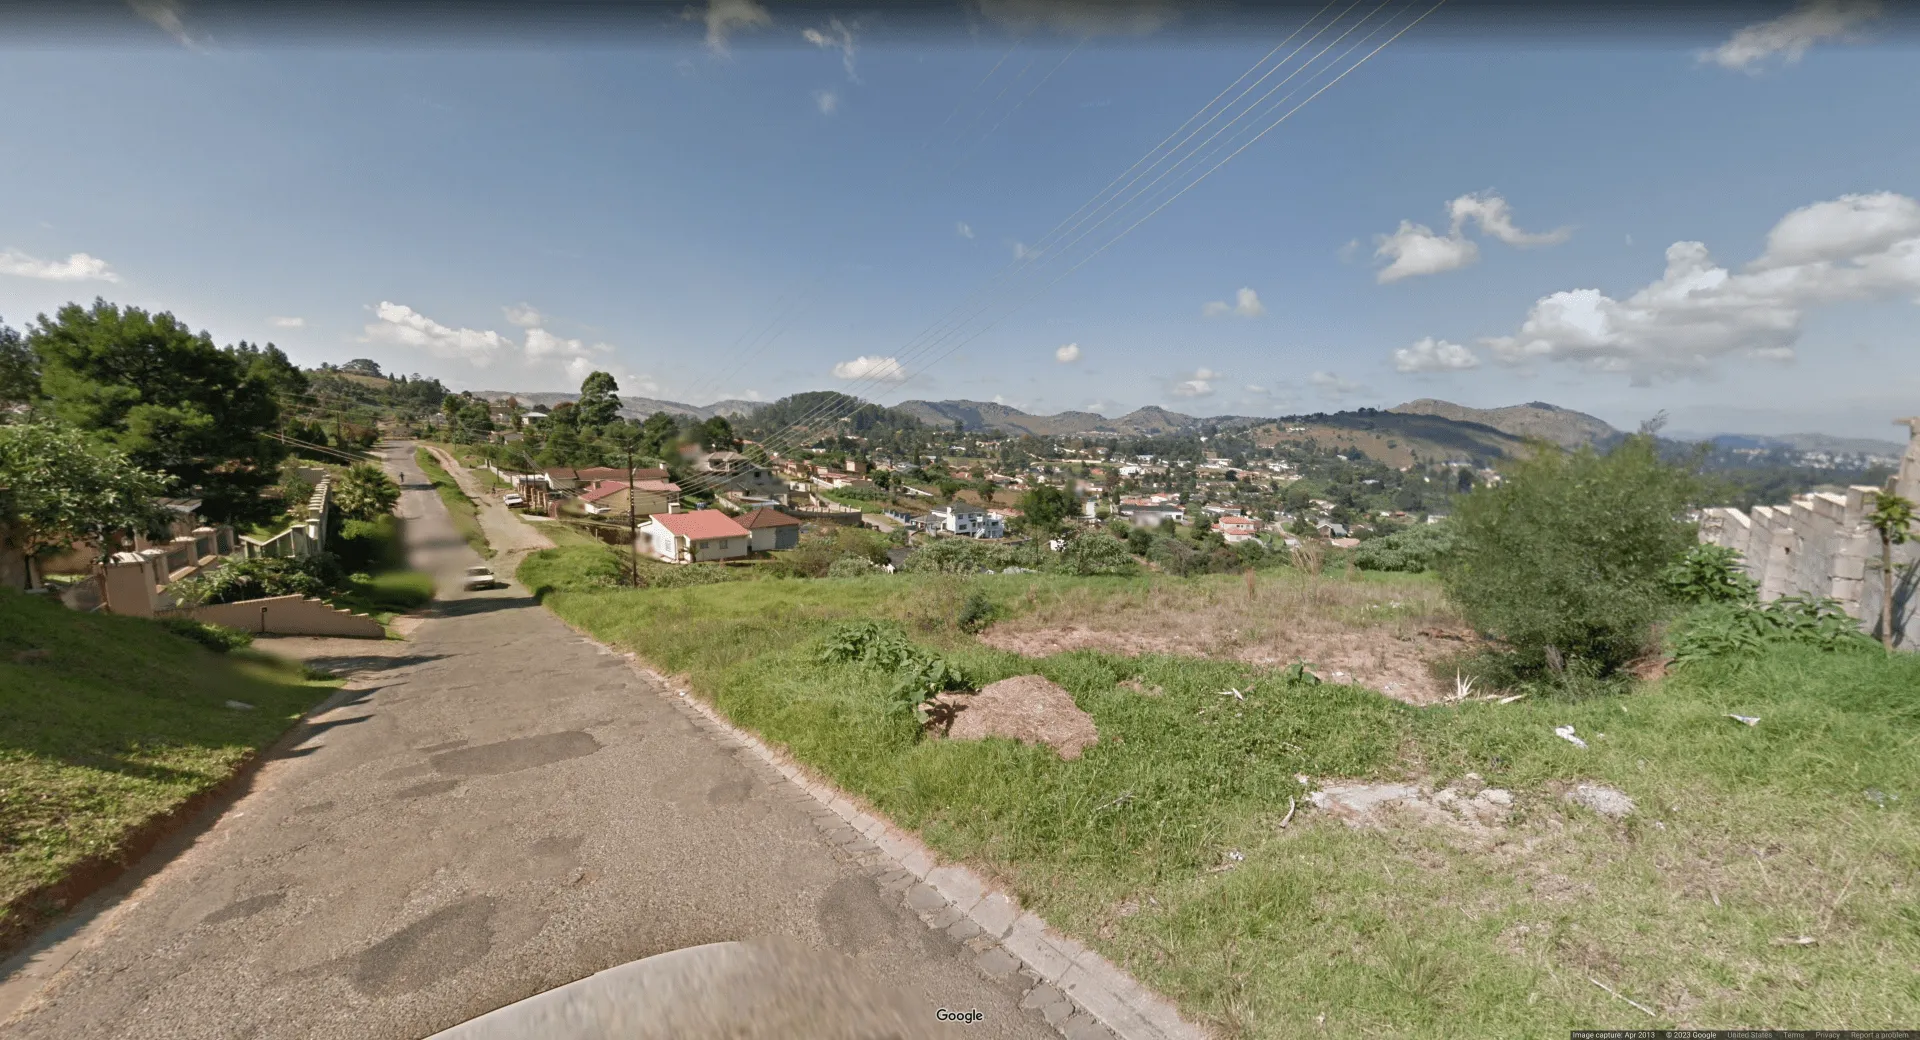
697	537
732	471
969	520
1153	516
1237	529
566	478
1329	529
770	529
644	498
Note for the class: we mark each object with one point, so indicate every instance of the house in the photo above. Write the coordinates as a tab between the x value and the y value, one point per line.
1153	516
731	471
565	478
701	536
969	520
770	529
534	415
1237	529
911	518
1329	529
644	498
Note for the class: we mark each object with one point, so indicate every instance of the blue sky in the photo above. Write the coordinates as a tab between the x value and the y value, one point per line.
747	213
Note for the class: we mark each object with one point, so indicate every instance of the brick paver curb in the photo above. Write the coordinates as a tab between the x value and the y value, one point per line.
1075	989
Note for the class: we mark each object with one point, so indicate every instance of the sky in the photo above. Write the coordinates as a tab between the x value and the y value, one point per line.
1717	219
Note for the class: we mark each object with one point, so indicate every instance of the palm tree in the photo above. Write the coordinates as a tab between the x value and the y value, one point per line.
1892	516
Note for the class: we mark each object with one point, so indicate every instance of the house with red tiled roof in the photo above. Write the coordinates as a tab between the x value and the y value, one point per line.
701	536
648	497
770	529
566	478
1237	528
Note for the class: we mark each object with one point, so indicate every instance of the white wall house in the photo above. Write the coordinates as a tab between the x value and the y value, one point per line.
970	521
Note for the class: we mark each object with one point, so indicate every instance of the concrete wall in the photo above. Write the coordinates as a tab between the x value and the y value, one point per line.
288	616
1820	545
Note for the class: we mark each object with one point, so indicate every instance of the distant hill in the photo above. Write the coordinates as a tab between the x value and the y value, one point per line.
1536	419
631	407
1394	437
985	415
1802	442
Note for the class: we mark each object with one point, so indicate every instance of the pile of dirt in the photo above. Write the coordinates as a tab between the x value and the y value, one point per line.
1026	708
1469	806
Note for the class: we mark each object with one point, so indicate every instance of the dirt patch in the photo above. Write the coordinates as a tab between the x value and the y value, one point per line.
1026	708
1397	663
1469	807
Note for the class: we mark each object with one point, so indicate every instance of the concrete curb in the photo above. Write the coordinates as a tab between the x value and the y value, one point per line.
1077	991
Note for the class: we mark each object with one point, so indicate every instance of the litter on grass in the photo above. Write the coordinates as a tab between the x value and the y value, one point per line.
1566	733
1751	720
1234	693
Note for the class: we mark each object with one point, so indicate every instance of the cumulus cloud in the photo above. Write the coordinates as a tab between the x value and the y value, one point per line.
1200	384
1434	355
883	369
165	14
1416	249
724	16
402	326
1334	388
79	267
1791	34
524	316
1246	304
1855	247
287	323
1068	354
837	37
963	229
827	101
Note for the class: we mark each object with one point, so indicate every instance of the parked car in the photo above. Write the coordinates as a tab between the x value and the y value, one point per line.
481	578
513	501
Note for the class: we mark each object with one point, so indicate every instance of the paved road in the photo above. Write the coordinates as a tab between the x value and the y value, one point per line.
504	809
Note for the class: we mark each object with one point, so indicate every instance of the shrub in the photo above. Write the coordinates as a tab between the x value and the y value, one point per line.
1710	574
920	674
851	567
1412	550
1091	554
960	556
314	575
217	638
370	545
976	612
365	492
1565	559
1728	629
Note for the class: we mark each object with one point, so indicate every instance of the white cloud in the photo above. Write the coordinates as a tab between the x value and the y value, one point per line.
963	229
524	316
1246	304
837	37
1334	388
1020	250
1081	18
1416	249
1068	354
79	267
402	326
724	16
1792	33
166	15
287	323
1856	247
1434	355
884	369
827	101
1200	384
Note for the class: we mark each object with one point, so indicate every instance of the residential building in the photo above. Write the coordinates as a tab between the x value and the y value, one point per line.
568	479
701	536
770	529
643	498
731	471
1153	516
967	520
1237	529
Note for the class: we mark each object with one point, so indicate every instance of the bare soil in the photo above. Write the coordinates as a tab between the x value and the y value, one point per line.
1026	708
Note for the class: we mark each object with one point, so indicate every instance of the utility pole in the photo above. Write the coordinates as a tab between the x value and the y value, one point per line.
633	533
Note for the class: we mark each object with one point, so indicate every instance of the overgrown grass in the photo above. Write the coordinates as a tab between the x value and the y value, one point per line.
465	514
1746	838
384	595
595	565
117	723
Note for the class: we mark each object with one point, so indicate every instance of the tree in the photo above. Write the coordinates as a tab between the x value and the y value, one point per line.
1045	508
164	396
365	492
270	365
1892	516
57	488
716	434
599	401
1566	559
362	366
19	369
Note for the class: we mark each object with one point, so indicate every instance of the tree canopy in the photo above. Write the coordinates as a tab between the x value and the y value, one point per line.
57	487
599	401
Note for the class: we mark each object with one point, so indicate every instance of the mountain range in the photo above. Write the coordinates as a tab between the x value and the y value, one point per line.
631	407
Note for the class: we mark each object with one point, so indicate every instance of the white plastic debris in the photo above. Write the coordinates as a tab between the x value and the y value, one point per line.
1302	777
1566	733
1510	700
1234	693
1751	720
239	705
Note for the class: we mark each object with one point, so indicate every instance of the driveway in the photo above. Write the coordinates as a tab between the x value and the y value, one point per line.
501	809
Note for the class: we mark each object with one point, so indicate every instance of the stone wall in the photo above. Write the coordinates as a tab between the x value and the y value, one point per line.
1820	545
288	616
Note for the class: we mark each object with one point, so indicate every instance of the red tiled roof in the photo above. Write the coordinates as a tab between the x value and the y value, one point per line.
767	518
605	473
701	525
606	488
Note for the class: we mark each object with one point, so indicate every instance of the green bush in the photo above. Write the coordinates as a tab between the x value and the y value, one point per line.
976	612
971	556
217	638
851	567
920	674
1710	574
1565	559
1727	629
1090	554
370	545
1412	550
315	575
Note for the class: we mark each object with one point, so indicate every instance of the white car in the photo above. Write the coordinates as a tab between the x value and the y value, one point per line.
480	578
512	501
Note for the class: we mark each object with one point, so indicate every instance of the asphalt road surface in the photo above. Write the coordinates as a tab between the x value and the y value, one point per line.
499	810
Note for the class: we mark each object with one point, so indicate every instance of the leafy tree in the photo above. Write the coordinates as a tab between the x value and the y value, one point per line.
365	492
599	400
717	434
1097	554
1413	549
1892	517
166	397
270	365
362	366
1045	508
19	369
57	488
1565	560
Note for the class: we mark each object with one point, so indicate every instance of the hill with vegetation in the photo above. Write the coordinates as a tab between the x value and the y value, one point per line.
630	407
1535	419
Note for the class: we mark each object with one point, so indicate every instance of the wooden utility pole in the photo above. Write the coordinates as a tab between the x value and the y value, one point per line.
633	530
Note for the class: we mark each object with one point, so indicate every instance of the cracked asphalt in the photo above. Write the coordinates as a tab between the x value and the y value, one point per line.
502	808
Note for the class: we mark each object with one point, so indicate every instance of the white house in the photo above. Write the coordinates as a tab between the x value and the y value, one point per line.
697	537
963	519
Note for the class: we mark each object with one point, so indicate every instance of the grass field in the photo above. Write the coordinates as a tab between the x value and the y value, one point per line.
118	723
465	514
1766	878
